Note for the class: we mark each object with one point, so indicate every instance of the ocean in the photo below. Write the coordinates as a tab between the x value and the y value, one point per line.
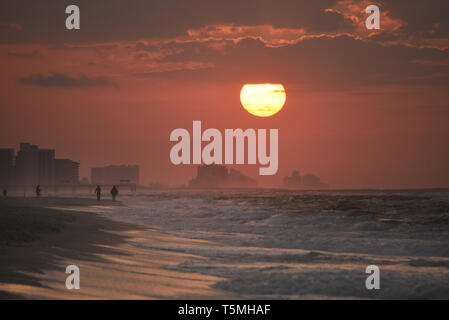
277	244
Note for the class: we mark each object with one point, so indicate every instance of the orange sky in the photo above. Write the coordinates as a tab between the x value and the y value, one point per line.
363	110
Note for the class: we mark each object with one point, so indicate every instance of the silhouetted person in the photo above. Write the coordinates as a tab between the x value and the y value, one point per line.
5	192
114	192
98	192
38	191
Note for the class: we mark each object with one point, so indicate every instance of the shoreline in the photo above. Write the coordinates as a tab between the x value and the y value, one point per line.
39	237
35	238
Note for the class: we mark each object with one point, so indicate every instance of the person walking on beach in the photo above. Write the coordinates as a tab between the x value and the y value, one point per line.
38	191
98	192
114	192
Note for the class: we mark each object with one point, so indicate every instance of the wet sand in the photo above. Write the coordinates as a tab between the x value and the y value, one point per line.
39	238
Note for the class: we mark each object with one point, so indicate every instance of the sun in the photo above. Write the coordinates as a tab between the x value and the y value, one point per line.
263	100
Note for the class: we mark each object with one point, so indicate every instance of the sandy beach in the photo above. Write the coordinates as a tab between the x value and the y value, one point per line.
253	244
40	237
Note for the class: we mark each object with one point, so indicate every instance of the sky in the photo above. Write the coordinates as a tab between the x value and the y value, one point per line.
364	109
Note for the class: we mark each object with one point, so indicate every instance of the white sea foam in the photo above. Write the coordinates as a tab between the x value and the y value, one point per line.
280	244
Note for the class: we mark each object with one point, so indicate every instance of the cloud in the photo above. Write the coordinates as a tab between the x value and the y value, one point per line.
318	46
267	34
441	63
411	20
410	23
314	64
64	81
146	19
36	54
11	26
354	13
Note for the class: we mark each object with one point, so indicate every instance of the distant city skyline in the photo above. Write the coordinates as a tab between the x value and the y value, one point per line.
115	175
218	176
32	166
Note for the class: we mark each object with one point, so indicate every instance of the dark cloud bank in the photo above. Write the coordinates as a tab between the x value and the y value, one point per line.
64	81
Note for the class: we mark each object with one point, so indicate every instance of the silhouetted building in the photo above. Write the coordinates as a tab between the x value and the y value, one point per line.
27	165
67	172
293	181
6	166
34	166
115	175
213	176
46	167
237	179
217	176
307	181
